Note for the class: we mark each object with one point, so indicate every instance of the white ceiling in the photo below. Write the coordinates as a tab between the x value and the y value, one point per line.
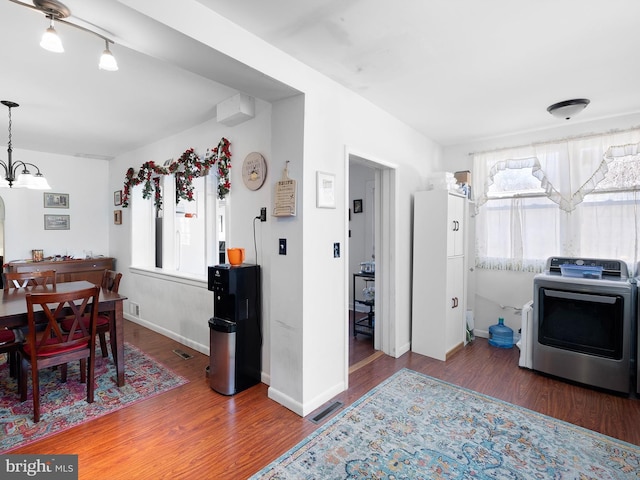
456	70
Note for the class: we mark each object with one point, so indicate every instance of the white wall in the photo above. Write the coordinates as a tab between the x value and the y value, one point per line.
495	288
308	289
178	307
90	208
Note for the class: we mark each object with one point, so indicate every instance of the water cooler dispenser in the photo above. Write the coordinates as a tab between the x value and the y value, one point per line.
235	359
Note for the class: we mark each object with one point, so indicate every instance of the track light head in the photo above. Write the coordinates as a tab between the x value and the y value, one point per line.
51	41
107	60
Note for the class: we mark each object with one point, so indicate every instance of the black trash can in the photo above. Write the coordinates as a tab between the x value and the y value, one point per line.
222	355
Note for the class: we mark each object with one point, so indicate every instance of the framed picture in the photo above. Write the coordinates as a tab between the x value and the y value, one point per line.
56	222
117	197
56	200
117	217
325	190
357	206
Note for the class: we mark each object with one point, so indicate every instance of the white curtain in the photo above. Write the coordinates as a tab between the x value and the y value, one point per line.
574	197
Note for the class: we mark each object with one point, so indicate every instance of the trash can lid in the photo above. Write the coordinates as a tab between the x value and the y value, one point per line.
222	325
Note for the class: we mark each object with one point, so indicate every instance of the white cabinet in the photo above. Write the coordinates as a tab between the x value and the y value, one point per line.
439	292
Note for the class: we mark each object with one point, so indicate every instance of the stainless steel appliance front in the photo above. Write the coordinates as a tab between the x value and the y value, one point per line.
583	328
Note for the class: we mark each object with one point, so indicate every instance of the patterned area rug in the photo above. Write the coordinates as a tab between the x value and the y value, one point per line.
66	406
416	427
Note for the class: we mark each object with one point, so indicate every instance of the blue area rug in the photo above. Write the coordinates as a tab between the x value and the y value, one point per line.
64	405
416	427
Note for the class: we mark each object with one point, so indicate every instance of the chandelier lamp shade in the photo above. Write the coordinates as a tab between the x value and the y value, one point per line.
56	11
17	174
568	108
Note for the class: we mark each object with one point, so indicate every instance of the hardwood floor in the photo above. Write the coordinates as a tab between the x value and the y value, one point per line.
193	432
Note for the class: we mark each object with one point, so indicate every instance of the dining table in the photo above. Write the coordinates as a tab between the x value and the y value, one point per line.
13	313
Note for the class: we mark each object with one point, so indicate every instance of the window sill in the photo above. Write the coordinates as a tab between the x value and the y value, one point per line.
171	276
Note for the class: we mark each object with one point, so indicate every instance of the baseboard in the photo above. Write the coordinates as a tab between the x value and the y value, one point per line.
285	401
402	350
455	349
170	334
480	333
308	407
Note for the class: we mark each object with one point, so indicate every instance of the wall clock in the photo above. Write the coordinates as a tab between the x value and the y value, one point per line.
254	171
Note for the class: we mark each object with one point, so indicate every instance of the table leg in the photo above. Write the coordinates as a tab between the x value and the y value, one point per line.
118	349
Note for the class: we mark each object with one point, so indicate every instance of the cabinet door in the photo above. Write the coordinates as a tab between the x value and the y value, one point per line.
455	226
456	304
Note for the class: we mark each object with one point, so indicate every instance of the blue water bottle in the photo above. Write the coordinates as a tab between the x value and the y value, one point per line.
500	335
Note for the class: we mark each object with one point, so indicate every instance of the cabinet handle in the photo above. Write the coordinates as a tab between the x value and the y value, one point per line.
454	302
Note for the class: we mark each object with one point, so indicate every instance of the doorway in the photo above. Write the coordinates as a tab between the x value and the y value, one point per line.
361	261
371	235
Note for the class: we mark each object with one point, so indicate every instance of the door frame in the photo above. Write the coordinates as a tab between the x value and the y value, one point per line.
385	241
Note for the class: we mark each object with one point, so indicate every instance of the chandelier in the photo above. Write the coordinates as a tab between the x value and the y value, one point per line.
24	178
56	11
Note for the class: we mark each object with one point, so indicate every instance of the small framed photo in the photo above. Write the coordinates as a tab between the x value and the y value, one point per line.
325	190
56	200
357	206
117	217
117	197
57	222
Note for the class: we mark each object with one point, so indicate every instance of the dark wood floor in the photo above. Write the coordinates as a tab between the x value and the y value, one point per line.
193	432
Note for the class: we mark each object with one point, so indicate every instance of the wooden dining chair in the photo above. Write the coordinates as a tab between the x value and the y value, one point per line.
10	340
111	282
28	279
106	321
52	346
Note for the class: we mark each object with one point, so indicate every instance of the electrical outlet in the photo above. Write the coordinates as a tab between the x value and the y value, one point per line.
263	214
336	250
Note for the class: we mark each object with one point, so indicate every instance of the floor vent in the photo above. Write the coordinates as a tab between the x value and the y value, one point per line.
327	411
184	355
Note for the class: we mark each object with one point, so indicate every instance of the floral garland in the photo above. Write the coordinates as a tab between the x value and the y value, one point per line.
224	164
185	169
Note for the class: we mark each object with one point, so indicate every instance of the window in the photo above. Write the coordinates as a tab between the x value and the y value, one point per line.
182	238
570	198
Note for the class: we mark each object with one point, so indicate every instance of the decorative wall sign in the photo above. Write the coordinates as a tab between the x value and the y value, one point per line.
117	217
357	206
117	197
56	200
57	222
286	191
254	171
325	190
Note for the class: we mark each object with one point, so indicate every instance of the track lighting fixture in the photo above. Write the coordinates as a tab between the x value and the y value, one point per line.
54	10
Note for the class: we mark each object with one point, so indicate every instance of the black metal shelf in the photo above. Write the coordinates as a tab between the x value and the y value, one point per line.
365	324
